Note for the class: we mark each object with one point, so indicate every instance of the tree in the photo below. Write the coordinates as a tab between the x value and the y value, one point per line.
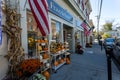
105	35
107	26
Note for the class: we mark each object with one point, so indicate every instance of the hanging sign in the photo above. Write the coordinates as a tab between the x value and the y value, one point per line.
59	11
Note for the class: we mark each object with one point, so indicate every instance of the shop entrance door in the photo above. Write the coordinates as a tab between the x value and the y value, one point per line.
67	35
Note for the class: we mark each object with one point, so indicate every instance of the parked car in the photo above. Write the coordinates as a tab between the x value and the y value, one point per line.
109	42
117	49
116	53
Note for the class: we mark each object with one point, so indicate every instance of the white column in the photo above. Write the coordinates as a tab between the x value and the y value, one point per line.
23	25
50	35
84	39
88	39
73	39
61	29
80	38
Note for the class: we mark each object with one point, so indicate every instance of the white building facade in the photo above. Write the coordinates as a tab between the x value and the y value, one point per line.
65	19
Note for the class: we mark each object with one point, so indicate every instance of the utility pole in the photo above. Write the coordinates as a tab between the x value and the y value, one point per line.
98	20
98	27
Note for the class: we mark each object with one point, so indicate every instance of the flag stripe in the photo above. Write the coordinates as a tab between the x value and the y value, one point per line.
40	13
42	18
35	16
44	13
42	9
85	28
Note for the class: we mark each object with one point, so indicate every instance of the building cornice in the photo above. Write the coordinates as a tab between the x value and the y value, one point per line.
79	11
76	7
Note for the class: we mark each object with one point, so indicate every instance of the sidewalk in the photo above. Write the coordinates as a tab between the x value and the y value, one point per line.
89	66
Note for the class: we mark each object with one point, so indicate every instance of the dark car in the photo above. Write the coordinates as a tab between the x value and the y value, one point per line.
117	50
109	42
116	53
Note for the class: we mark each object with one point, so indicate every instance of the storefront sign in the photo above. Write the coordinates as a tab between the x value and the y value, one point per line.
59	11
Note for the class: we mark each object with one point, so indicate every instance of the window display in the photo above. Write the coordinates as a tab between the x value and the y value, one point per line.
31	43
55	30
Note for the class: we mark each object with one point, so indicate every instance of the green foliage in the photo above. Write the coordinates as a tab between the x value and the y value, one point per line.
96	34
107	26
105	35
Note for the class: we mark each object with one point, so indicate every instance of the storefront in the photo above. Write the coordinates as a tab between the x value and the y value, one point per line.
68	36
79	35
61	24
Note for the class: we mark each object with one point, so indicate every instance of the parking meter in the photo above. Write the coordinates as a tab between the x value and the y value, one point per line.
109	51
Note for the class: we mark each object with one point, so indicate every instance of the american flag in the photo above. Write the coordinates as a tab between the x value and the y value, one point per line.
86	31
89	31
40	11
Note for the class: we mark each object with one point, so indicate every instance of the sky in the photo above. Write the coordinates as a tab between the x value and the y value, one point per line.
110	11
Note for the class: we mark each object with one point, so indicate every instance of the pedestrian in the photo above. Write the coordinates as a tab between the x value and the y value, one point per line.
101	44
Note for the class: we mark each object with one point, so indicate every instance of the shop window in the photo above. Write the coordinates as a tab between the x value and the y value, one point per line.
32	36
55	30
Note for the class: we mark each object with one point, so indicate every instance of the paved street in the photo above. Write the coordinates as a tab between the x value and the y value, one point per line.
91	65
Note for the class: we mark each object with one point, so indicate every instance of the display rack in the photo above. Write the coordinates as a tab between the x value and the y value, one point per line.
58	54
54	58
43	54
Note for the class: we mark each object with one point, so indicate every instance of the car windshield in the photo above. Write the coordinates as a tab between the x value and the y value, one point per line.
110	40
